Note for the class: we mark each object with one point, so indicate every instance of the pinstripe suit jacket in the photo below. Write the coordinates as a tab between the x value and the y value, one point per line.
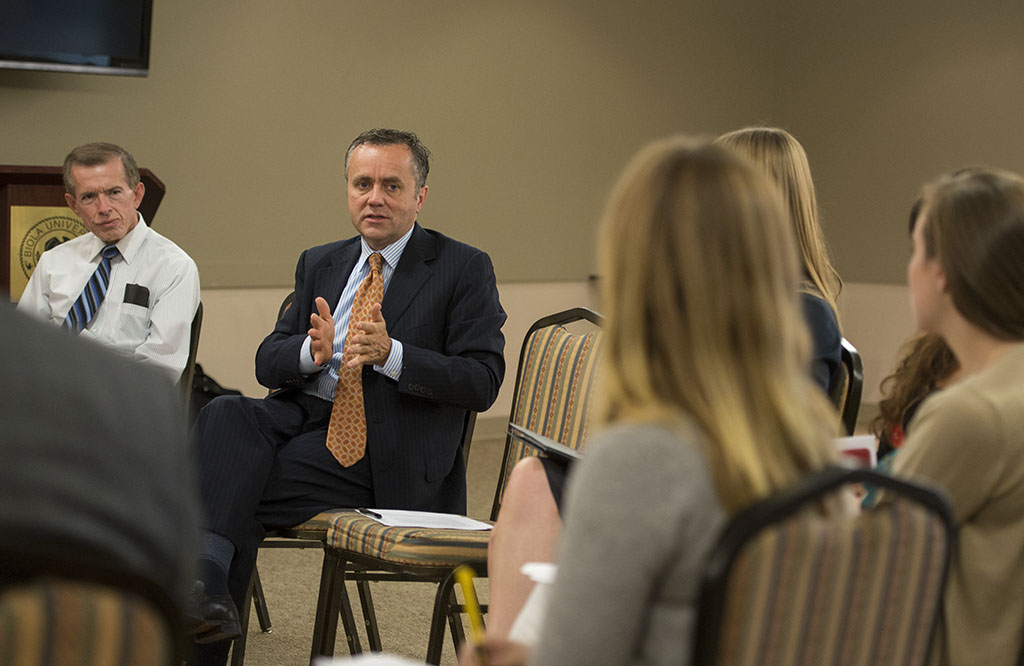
442	304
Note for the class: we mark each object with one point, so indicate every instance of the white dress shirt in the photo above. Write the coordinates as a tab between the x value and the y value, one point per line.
156	332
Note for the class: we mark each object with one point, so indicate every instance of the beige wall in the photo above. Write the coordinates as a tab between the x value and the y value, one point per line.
530	107
887	95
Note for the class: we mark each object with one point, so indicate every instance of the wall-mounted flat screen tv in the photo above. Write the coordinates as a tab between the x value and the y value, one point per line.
89	36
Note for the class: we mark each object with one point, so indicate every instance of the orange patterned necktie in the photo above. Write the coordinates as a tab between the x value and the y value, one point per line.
346	434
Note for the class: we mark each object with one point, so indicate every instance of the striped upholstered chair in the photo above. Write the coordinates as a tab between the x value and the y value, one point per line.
791	585
57	611
552	396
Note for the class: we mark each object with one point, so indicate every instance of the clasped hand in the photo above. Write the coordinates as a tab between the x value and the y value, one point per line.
371	345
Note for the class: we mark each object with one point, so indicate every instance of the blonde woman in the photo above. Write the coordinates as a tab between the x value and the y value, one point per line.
706	404
530	520
966	280
784	160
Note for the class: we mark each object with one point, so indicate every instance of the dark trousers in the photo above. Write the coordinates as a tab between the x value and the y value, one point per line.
262	464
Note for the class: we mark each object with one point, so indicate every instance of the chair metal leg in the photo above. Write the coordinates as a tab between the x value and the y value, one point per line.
445	589
323	600
343	609
454	610
369	616
333	602
238	648
260	603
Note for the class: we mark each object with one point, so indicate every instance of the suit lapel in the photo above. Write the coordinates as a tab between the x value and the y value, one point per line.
331	278
411	274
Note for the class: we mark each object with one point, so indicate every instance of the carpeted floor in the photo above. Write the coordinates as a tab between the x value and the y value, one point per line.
291	578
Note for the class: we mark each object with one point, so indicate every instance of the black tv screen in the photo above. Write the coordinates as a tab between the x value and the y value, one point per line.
91	36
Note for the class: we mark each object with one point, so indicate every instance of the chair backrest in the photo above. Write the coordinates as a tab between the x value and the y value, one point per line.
65	612
790	583
185	382
554	383
468	426
847	386
285	304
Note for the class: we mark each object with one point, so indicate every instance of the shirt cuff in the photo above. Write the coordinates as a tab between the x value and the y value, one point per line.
393	366
306	364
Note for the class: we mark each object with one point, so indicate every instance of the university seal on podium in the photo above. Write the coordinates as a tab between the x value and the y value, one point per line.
46	233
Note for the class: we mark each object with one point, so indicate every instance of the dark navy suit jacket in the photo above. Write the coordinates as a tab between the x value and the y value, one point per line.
442	304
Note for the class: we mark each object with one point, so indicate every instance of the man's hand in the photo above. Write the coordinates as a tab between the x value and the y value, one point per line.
372	344
321	333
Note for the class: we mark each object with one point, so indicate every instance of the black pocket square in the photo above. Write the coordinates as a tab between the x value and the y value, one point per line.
136	294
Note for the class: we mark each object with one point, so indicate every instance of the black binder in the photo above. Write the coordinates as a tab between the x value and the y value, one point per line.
546	445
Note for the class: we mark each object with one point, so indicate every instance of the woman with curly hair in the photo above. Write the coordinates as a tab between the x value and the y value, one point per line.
966	282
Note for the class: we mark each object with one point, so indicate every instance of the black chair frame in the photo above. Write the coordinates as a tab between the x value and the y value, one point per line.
850	359
185	381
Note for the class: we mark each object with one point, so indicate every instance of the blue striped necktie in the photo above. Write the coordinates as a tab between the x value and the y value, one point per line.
85	308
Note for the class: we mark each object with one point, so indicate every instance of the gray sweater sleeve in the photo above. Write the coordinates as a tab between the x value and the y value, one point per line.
641	515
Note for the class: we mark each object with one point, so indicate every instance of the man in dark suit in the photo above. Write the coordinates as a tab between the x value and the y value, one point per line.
428	352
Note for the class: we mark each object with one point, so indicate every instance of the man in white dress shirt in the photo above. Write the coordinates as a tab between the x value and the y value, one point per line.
152	290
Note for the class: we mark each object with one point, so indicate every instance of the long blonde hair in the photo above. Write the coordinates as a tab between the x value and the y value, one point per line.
783	158
703	316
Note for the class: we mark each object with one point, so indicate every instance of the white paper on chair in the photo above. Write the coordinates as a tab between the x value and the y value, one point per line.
447	521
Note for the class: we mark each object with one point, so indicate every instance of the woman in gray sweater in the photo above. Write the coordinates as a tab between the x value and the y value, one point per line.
706	404
530	522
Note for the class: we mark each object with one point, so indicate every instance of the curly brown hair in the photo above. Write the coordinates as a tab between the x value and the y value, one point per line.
926	363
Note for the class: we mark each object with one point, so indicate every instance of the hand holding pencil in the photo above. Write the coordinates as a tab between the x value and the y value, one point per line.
464	575
484	652
498	653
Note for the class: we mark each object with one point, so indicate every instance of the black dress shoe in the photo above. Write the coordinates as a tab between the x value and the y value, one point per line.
211	618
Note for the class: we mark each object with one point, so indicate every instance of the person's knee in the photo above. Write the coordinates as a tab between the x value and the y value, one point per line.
528	493
216	409
529	516
527	477
224	403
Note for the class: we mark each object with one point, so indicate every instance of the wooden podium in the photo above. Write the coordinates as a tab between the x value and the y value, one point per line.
34	217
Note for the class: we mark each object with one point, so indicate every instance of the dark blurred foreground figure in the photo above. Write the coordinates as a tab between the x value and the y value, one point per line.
95	459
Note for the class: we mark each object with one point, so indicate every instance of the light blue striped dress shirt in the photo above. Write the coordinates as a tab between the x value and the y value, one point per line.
327	381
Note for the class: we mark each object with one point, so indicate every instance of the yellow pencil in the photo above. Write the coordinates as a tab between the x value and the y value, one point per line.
464	575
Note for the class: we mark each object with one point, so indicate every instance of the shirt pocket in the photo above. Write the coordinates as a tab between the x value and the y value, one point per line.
132	325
